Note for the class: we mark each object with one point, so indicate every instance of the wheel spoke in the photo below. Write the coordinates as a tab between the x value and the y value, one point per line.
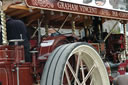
73	73
78	64
82	69
89	73
67	76
91	83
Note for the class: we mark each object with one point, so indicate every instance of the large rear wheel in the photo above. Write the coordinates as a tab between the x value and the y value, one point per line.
75	64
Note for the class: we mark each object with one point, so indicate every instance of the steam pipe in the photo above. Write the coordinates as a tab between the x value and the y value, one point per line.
18	80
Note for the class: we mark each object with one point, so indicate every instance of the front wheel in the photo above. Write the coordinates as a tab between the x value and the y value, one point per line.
75	64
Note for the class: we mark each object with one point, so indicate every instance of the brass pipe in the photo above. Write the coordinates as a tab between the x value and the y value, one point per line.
73	27
3	23
125	39
46	29
99	28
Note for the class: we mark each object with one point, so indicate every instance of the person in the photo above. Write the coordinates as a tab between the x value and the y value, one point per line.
16	29
53	32
121	79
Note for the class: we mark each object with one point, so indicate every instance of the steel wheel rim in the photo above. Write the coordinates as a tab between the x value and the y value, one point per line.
91	66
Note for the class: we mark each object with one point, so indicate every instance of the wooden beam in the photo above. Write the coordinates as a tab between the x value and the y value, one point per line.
22	7
17	13
34	17
27	13
10	11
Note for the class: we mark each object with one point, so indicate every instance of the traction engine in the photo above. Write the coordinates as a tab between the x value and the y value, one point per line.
65	59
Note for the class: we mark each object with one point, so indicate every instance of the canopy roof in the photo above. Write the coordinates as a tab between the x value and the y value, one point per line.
31	15
54	12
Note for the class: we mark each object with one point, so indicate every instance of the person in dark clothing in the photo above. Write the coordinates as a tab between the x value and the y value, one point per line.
16	29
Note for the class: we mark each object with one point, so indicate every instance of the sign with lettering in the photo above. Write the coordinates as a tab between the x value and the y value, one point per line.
76	8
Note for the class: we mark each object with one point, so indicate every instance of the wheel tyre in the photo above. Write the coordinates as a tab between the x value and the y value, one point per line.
55	66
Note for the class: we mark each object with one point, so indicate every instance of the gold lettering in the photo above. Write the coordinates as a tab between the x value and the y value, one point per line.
114	13
67	6
123	14
60	5
105	12
88	9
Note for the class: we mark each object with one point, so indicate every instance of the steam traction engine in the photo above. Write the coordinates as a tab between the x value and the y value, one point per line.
90	56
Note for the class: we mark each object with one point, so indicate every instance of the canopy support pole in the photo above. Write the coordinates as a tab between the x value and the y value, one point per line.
3	23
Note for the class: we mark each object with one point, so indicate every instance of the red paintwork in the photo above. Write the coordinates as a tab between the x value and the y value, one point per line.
121	68
46	51
12	57
9	61
33	43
